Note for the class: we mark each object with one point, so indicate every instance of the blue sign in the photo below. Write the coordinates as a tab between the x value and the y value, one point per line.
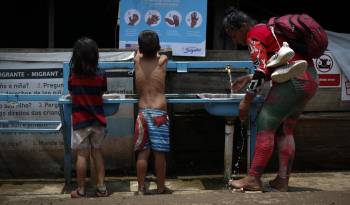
180	24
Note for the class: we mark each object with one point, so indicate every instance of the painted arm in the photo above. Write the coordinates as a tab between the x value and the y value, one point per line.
258	55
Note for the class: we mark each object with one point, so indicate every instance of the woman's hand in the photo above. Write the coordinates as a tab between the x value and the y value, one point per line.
241	82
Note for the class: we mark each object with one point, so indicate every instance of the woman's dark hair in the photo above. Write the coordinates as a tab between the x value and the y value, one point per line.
234	19
85	57
148	43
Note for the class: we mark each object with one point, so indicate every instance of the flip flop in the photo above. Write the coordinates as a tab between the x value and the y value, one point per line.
156	191
101	193
76	194
141	192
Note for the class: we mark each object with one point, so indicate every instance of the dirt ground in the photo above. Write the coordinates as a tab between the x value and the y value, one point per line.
330	188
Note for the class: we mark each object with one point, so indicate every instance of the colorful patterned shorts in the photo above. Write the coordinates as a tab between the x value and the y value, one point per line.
152	130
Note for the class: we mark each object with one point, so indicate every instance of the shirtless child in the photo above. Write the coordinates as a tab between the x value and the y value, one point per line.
152	123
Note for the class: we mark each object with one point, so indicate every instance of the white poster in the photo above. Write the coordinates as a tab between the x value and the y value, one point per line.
328	70
345	88
29	154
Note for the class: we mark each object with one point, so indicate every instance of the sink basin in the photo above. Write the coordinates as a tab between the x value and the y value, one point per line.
221	104
112	108
109	108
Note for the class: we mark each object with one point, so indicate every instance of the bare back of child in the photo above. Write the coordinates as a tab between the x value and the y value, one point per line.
152	123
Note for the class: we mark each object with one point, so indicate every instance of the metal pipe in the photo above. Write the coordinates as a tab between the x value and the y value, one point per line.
229	130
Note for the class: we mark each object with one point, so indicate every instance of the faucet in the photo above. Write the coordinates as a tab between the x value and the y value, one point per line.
228	69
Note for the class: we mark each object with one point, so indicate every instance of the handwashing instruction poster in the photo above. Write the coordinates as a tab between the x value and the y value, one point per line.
180	24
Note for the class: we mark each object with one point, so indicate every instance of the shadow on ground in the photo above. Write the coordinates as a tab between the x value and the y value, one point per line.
177	185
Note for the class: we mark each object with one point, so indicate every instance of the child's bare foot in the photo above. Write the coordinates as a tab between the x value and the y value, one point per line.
280	184
249	183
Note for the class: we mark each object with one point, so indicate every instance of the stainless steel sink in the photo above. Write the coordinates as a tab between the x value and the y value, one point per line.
113	96
221	96
119	96
181	96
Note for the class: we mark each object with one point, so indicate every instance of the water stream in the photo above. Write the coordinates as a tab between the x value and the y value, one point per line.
240	148
228	69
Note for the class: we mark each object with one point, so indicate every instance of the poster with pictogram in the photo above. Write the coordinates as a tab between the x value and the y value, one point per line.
180	24
328	70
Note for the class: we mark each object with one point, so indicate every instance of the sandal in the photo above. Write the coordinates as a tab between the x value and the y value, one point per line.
76	194
102	192
142	191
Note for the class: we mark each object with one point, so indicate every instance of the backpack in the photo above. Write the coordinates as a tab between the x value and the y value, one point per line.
303	33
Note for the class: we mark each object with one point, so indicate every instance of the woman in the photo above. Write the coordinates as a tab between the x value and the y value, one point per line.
282	106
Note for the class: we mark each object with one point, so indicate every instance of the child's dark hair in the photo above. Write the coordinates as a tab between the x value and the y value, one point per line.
234	19
85	57
148	43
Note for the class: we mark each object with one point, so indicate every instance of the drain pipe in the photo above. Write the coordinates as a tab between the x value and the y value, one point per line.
229	130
